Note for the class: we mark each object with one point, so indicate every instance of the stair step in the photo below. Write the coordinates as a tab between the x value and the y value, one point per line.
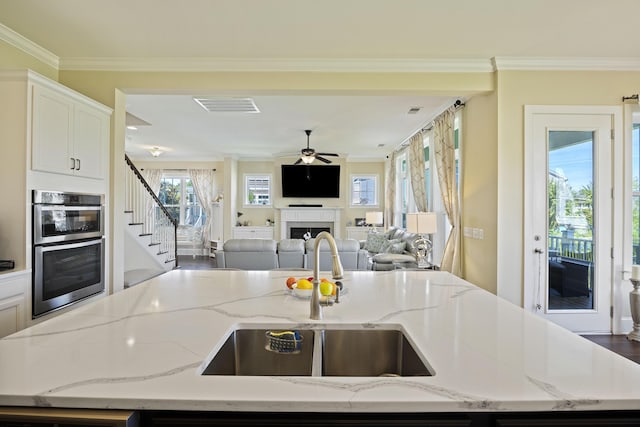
136	223
145	234
154	244
163	252
128	211
170	260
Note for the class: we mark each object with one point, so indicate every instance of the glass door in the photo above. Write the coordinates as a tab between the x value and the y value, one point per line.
570	254
568	220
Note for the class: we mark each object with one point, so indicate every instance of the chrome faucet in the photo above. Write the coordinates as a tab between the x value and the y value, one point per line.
336	272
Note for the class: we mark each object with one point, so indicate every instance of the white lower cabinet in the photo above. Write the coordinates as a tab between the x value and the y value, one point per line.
13	291
252	232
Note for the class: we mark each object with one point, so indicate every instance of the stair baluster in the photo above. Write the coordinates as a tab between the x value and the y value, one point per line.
149	211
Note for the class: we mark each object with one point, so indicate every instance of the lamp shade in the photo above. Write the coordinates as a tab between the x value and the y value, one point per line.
373	218
422	222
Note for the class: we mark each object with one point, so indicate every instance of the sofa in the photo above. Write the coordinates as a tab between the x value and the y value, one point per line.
348	250
394	248
291	254
269	254
248	254
571	277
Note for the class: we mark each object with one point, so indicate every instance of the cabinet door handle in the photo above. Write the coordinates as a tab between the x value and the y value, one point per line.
78	164
73	163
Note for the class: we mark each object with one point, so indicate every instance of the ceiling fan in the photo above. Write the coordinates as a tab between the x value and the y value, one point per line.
309	154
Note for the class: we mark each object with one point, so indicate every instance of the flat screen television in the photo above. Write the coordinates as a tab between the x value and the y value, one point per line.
311	181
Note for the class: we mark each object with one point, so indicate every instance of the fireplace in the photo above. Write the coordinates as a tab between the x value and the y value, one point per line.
309	219
299	232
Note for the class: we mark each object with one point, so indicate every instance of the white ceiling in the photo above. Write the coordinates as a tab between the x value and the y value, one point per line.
352	126
303	32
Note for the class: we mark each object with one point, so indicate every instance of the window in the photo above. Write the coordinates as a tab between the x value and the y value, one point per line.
364	190
257	190
427	172
177	195
636	192
404	194
404	201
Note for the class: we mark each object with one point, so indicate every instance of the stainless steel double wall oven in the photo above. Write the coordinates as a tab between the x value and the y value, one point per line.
68	248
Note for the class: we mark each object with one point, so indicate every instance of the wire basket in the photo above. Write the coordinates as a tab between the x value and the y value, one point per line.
284	342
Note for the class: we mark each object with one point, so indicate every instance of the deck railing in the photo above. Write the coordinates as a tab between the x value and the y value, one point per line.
149	211
571	247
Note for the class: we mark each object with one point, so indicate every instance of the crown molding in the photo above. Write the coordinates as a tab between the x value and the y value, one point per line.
565	64
20	42
277	64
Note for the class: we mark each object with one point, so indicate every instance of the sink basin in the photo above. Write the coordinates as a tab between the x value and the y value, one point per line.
369	353
247	352
324	351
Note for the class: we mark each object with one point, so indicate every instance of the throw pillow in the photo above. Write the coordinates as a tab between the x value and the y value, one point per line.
390	232
395	246
374	242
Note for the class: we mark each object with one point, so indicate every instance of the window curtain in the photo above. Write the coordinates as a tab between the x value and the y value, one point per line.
153	178
390	194
203	185
445	157
416	169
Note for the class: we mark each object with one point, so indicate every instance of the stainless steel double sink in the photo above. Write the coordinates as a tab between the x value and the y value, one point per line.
326	351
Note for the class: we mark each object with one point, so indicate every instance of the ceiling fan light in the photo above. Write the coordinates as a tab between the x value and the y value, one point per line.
155	151
307	159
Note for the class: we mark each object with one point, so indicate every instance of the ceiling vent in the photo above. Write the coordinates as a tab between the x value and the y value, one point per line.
227	105
414	110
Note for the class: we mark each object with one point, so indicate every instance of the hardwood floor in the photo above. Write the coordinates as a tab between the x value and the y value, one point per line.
188	262
616	343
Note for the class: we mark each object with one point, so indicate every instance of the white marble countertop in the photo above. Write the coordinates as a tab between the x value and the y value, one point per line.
143	348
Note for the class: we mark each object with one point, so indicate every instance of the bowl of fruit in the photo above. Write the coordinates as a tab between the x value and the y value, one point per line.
302	288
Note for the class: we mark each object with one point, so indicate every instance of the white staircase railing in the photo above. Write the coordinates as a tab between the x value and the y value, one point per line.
147	210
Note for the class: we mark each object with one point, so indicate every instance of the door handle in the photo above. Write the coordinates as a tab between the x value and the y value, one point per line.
78	164
73	163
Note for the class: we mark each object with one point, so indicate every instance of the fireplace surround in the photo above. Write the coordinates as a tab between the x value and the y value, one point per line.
309	219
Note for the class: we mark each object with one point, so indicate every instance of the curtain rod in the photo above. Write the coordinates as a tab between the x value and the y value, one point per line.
457	105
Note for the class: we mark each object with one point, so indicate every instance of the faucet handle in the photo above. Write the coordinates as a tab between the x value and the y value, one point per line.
328	302
337	300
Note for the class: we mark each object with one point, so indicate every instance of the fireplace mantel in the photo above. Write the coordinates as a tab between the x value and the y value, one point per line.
309	216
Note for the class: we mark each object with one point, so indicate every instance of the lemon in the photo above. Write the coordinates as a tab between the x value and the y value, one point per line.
326	288
304	284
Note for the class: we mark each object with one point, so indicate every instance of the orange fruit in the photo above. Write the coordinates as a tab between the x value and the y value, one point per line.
290	282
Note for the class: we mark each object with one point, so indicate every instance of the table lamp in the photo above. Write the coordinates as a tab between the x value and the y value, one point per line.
422	223
374	218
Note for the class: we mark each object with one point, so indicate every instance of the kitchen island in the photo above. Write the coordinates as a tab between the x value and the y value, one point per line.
145	349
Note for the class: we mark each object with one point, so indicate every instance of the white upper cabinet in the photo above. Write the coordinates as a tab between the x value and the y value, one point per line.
91	136
69	135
